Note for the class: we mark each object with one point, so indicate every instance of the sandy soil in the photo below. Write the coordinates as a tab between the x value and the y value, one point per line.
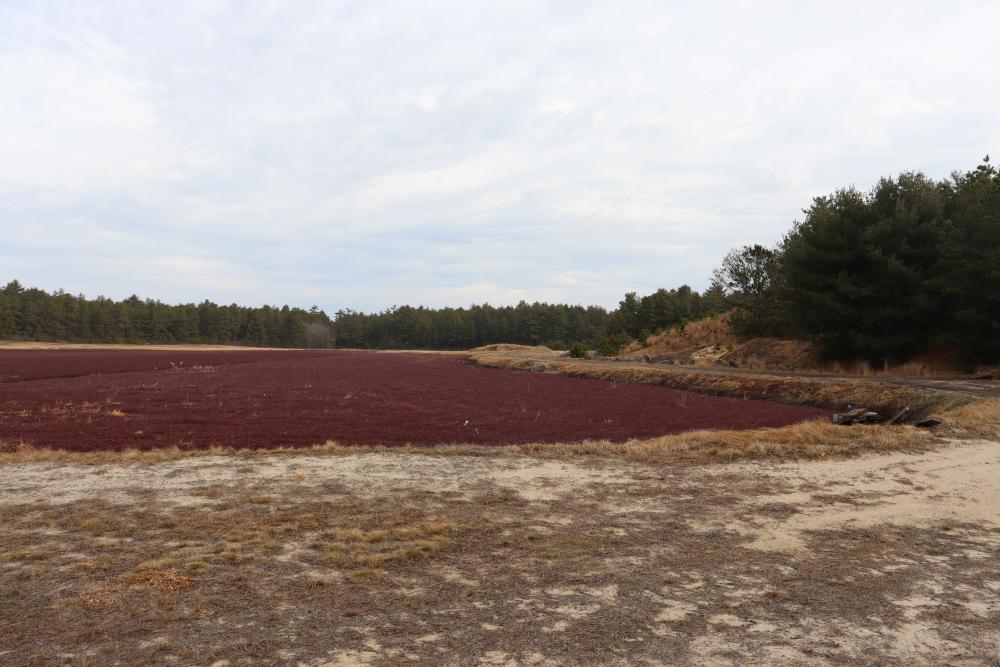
964	385
392	558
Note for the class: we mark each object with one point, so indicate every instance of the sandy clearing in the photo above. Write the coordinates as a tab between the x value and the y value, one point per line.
957	483
888	558
369	473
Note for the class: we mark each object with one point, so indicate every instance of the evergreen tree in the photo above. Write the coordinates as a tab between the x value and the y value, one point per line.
37	315
969	269
858	268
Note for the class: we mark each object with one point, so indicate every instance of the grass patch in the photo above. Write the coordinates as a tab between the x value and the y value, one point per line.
386	541
810	440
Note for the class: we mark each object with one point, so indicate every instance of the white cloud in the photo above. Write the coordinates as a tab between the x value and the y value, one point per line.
377	153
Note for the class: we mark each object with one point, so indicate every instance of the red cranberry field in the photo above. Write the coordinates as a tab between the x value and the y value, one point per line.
116	399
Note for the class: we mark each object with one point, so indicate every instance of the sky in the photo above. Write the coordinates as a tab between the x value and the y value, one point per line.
365	154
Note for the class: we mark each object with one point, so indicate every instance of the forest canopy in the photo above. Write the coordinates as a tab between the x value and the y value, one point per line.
34	314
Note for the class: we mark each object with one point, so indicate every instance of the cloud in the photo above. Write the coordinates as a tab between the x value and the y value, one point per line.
364	154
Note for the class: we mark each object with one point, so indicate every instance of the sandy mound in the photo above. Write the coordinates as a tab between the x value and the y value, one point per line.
703	340
712	341
511	347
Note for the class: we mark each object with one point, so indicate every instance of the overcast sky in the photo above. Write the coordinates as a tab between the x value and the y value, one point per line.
364	154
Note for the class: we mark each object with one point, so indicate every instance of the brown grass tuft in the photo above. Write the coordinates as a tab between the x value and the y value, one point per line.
980	413
163	581
355	546
810	440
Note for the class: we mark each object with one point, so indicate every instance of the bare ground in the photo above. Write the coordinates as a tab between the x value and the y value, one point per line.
389	558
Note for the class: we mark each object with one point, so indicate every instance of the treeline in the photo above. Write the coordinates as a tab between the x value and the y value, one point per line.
406	327
557	326
911	265
34	314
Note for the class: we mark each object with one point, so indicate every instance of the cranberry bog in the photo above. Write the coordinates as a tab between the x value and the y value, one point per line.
88	400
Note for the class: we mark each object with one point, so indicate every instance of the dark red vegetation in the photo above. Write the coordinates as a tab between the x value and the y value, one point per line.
94	400
37	364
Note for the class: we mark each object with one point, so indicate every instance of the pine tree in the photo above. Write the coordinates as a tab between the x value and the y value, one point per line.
859	266
970	265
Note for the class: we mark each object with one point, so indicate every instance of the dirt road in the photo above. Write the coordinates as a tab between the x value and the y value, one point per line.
962	385
392	558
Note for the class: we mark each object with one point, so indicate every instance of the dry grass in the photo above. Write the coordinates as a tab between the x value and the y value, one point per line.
513	347
712	338
772	353
810	440
391	539
118	579
707	332
165	582
833	394
980	419
342	534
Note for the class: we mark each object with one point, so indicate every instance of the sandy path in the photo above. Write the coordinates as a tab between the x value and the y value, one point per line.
967	386
889	559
